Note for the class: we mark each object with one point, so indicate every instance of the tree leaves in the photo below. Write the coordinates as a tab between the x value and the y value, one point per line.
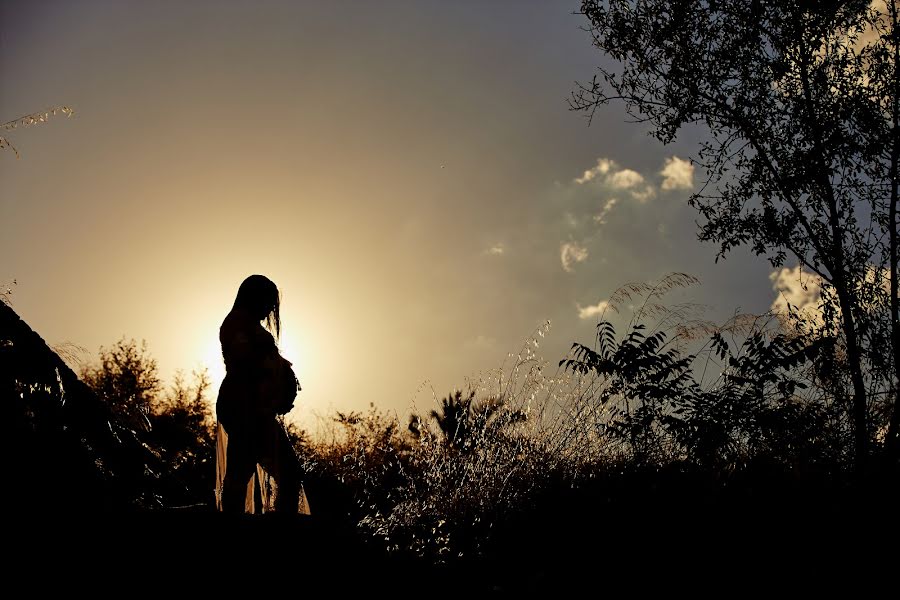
657	403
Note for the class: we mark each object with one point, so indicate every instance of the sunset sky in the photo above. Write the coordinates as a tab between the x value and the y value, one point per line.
408	173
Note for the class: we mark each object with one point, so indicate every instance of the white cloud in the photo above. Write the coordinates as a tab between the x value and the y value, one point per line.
604	165
625	179
803	292
587	312
496	250
874	290
644	194
608	173
799	289
571	253
600	218
678	174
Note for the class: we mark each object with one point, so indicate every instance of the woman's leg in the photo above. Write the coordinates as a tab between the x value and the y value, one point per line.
281	462
240	465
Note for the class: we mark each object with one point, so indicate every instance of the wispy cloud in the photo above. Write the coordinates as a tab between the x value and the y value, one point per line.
607	173
496	250
678	174
607	195
588	312
604	165
571	253
642	194
593	197
600	217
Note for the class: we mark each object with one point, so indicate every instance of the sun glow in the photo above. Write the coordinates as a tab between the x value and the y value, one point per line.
215	365
290	347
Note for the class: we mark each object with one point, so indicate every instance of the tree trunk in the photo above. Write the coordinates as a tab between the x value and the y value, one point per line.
843	285
854	357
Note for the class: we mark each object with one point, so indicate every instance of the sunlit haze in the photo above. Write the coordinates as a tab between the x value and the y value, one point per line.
408	173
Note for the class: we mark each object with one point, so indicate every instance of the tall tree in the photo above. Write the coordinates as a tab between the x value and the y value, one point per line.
801	101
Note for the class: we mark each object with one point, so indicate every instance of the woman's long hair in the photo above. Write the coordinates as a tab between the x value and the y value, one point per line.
259	296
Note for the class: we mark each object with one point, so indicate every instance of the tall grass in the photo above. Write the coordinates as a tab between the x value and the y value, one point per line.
28	121
670	390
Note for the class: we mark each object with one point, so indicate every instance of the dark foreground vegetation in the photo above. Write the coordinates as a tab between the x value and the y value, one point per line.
544	487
